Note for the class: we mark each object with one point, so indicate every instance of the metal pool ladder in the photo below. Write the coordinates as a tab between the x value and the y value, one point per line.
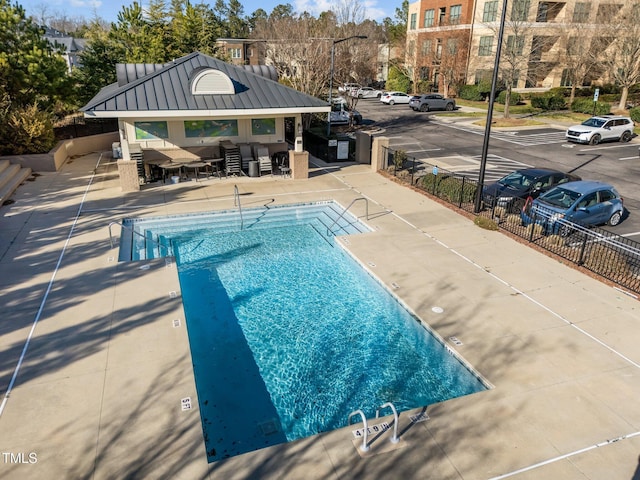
366	202
236	203
394	439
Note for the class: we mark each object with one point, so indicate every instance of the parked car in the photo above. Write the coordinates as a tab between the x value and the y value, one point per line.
431	101
586	203
391	98
511	190
348	87
597	129
367	92
340	114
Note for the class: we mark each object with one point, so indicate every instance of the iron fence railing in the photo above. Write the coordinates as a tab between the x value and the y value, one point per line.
605	254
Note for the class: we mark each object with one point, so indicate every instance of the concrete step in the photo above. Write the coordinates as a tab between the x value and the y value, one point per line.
11	176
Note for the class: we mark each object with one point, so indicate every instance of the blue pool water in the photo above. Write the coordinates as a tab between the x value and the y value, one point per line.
289	335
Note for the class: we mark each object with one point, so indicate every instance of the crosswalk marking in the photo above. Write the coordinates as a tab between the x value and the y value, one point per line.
496	167
518	137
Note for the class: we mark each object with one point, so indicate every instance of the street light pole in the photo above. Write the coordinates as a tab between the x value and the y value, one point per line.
487	127
333	53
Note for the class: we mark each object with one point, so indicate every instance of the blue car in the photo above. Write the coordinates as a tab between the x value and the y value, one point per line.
586	203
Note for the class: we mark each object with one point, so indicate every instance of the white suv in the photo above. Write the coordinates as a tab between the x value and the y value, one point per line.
597	129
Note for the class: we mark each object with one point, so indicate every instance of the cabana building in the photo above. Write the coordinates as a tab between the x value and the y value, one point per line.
198	108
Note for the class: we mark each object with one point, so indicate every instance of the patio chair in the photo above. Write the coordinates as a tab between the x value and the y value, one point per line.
245	155
265	161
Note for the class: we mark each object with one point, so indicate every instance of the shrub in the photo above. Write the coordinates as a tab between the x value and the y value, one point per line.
584	105
514	98
537	229
486	223
548	101
27	130
499	212
470	92
398	80
451	189
634	113
399	157
423	86
513	219
559	92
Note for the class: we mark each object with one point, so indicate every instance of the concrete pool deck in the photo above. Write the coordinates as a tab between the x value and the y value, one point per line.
104	379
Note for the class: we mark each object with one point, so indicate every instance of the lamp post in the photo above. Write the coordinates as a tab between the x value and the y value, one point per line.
487	127
333	53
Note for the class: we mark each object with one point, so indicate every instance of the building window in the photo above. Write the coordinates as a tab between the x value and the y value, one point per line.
429	15
412	22
574	45
543	11
483	76
607	12
439	48
411	48
486	45
442	13
565	81
452	46
424	73
515	45
235	52
426	47
514	80
581	13
210	128
520	10
454	14
151	130
263	126
490	12
537	45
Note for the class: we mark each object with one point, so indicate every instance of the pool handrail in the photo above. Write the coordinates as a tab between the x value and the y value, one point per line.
134	232
236	203
364	447
366	201
394	438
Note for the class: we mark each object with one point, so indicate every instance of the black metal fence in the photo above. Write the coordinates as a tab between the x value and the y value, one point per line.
75	127
607	255
330	149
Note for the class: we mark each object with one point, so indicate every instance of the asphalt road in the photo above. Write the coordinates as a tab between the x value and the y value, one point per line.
437	138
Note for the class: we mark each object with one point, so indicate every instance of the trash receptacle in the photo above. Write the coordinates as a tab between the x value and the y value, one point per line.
254	168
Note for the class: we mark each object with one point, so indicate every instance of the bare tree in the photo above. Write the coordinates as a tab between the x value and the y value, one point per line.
348	12
453	60
579	55
619	45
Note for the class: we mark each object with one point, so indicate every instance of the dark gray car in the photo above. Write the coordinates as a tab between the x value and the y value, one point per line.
431	101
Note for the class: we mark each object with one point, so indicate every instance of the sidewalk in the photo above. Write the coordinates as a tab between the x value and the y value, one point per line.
100	389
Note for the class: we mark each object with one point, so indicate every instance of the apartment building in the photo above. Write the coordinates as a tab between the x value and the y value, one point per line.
243	51
454	41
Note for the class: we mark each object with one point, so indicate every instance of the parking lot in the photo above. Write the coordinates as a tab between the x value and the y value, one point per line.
454	141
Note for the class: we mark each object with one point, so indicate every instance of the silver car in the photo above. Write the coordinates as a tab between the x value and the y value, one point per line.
605	127
431	101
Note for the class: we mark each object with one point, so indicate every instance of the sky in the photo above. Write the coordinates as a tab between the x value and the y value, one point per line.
108	9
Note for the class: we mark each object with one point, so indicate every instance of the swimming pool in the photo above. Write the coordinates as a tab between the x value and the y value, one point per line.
289	334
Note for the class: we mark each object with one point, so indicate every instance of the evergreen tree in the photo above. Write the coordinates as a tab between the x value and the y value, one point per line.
30	68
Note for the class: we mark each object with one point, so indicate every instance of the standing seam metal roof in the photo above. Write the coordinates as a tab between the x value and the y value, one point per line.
169	89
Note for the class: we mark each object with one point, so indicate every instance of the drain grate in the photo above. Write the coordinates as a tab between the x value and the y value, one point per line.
269	427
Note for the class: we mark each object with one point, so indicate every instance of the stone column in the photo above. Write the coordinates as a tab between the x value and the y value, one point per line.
380	144
128	171
299	163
